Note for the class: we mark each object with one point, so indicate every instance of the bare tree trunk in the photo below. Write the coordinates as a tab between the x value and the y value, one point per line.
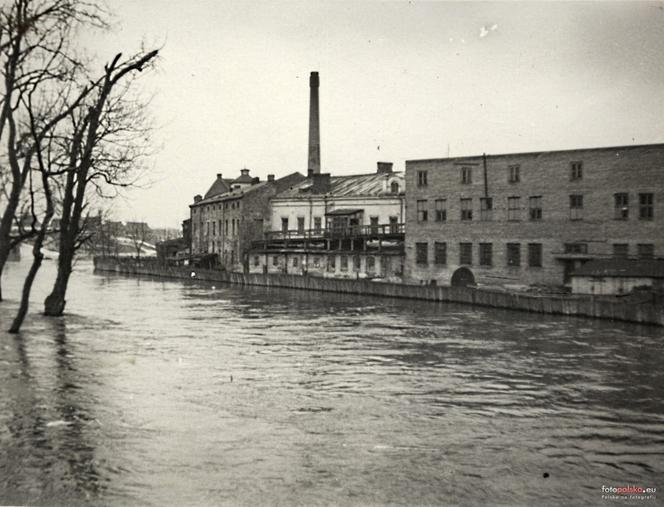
38	256
54	304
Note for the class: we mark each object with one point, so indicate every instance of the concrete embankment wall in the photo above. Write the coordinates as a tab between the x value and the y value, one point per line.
587	306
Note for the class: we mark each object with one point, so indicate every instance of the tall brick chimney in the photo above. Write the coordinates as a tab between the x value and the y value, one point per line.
313	166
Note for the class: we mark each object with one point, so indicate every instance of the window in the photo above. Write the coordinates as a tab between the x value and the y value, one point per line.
422	253
284	224
207	229
331	263
275	260
466	253
486	254
226	227
257	260
645	250
214	228
576	207
514	254
422	211
394	225
316	262
621	250
576	171
356	262
233	226
441	210
371	263
621	206
514	174
295	261
466	175
318	224
576	248
513	208
486	208
374	224
422	178
535	207
440	253
535	255
343	264
394	187
646	206
300	225
466	209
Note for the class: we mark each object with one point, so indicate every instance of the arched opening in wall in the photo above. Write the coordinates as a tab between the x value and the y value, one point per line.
463	277
394	187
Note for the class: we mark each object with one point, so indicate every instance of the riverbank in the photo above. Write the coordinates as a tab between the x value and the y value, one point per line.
583	306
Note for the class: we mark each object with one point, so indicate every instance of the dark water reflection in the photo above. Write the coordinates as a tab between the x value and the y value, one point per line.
163	392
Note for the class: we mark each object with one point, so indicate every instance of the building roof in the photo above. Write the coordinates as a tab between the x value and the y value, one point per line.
244	177
342	212
373	184
219	186
632	268
235	194
538	153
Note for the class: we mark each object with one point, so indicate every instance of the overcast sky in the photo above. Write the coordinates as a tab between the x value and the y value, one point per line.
399	81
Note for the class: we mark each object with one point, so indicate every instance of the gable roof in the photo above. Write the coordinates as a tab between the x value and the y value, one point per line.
235	194
219	186
632	268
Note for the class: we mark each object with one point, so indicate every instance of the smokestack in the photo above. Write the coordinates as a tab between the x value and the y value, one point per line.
313	166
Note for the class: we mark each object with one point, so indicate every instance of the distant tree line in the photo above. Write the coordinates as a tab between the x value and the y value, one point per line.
70	134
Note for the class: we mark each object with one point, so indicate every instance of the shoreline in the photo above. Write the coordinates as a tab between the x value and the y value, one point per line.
582	306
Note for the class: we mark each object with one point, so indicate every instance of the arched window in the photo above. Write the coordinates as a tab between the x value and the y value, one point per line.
394	187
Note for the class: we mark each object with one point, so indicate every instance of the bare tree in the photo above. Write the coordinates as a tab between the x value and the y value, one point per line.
43	156
139	233
35	56
103	149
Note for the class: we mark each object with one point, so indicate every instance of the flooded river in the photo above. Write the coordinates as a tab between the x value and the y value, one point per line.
163	392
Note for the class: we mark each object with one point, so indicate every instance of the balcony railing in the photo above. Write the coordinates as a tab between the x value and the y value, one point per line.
353	231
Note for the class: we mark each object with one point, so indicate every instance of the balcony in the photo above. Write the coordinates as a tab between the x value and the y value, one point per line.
353	238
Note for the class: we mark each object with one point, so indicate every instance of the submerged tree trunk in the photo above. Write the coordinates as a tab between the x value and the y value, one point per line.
54	304
38	256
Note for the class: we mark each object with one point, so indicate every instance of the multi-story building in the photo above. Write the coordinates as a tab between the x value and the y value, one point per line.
224	223
337	226
531	218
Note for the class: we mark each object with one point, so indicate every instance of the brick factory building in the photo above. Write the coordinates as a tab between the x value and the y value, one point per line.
531	218
232	214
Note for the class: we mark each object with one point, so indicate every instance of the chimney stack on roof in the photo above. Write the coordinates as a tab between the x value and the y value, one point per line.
320	183
313	166
270	177
198	198
218	176
384	168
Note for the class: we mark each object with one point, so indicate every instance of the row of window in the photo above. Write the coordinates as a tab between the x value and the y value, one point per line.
513	252
485	254
216	227
331	264
513	174
318	224
646	208
216	207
